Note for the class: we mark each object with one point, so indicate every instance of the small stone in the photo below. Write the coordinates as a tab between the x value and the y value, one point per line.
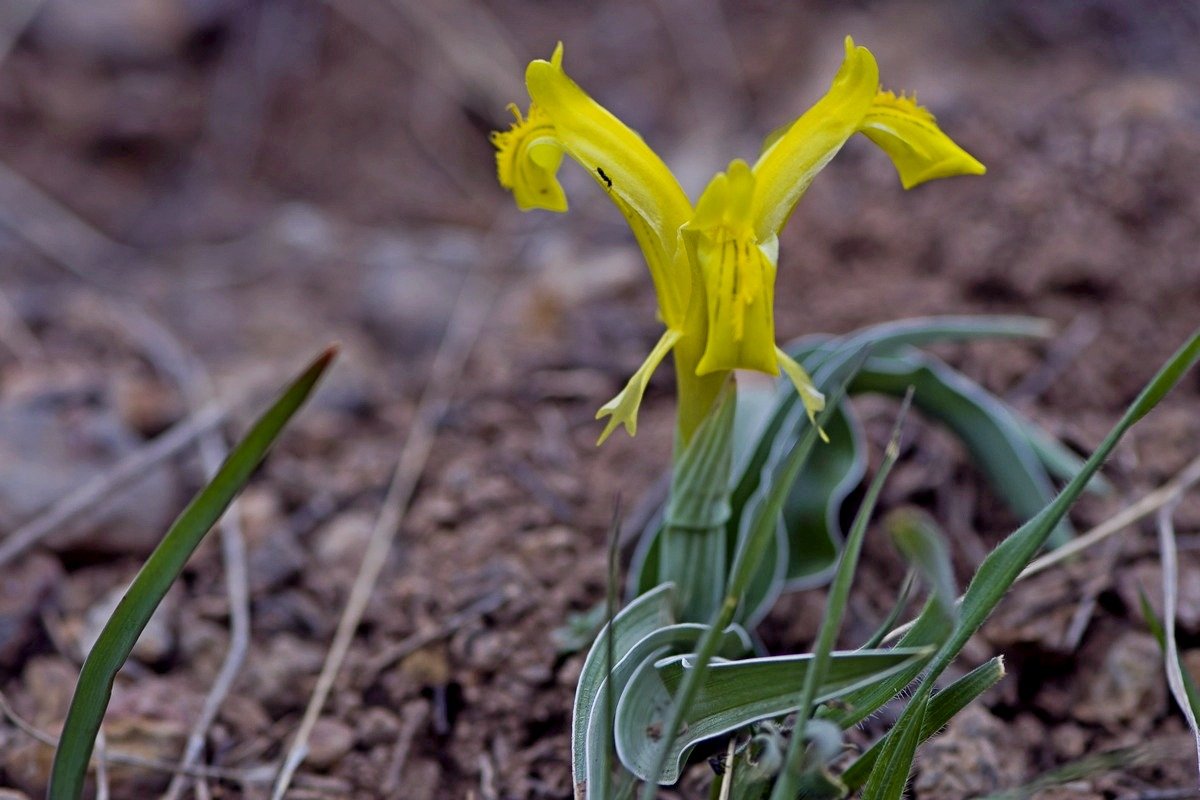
377	725
330	740
970	738
275	560
343	540
1129	683
279	673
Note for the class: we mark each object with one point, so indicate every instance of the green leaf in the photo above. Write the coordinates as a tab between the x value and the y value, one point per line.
922	543
881	340
760	529
890	775
812	509
729	695
839	595
757	565
889	622
943	706
1155	625
692	547
632	624
655	645
121	632
985	425
1002	566
1059	460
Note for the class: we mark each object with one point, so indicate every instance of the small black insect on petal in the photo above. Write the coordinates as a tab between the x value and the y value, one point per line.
607	180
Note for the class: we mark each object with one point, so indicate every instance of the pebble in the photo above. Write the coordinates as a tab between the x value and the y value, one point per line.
1129	683
330	740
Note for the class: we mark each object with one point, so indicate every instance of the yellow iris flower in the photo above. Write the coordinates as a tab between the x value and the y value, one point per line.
713	265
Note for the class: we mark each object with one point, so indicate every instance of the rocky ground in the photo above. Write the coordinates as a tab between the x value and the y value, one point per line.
198	193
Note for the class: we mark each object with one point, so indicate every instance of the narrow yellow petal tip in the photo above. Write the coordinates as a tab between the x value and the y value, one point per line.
910	135
810	396
556	58
623	409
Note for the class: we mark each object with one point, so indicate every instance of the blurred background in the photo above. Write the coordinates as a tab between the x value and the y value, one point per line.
196	196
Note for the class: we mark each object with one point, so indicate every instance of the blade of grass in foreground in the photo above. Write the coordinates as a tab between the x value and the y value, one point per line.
788	783
1002	566
121	632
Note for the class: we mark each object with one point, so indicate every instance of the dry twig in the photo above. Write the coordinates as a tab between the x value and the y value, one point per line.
106	484
465	324
1170	580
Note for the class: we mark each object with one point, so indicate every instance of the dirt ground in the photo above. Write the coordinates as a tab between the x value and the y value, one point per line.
212	191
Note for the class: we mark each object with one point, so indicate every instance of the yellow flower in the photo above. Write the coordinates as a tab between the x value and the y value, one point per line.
713	265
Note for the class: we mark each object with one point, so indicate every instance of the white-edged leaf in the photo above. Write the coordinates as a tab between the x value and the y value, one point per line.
652	647
731	694
651	611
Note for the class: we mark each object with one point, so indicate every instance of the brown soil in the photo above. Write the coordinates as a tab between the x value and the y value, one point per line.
262	180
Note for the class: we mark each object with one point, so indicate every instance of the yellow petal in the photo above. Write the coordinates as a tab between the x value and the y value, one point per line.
624	165
813	400
622	409
739	287
737	278
909	134
527	158
787	167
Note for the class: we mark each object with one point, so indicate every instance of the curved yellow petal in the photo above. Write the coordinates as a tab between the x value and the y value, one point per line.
813	400
787	167
919	149
527	158
624	165
622	409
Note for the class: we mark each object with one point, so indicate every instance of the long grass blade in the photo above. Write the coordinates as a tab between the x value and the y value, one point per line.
121	632
839	594
1002	566
943	707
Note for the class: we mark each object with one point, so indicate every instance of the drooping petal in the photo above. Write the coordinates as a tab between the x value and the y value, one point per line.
527	158
813	400
787	167
737	277
739	281
624	165
919	149
622	409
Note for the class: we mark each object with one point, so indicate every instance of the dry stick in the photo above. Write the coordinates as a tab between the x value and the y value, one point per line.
57	234
119	757
466	321
1147	505
1061	353
413	718
108	483
473	43
410	644
1170	579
